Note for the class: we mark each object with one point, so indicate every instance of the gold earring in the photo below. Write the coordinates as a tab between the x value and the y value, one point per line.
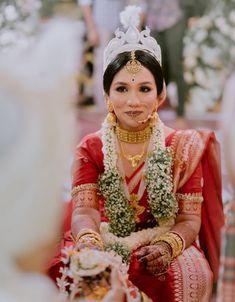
111	117
154	118
109	106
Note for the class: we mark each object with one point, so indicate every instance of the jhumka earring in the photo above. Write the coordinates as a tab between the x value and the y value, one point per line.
111	117
153	119
133	66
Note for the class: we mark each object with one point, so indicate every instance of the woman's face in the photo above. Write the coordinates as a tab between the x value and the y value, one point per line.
134	97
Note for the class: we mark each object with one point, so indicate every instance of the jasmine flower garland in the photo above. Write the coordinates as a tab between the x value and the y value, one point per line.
121	216
162	202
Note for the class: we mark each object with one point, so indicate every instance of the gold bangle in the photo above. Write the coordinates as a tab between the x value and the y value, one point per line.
174	242
87	232
144	297
90	241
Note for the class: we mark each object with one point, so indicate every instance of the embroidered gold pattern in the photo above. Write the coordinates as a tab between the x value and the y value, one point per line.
190	203
187	147
190	208
89	186
197	197
85	195
197	282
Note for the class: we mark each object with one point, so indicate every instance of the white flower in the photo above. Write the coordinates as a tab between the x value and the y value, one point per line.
189	78
190	62
200	100
10	13
222	25
200	36
200	76
191	49
205	22
211	55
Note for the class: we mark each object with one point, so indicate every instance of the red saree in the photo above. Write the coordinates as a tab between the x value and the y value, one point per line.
195	158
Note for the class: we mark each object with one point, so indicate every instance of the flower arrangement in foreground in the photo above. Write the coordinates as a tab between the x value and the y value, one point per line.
87	275
209	55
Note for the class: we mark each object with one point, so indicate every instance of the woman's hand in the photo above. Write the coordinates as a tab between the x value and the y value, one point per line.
156	259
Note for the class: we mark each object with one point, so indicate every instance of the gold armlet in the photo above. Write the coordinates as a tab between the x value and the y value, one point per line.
190	204
196	197
85	195
174	240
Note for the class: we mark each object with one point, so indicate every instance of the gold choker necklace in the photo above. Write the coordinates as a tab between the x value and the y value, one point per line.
135	137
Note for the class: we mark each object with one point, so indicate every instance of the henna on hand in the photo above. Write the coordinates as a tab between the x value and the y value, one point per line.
156	259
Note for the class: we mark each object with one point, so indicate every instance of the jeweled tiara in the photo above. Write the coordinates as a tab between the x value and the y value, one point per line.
132	39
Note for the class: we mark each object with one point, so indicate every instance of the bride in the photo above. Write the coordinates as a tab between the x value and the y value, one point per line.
148	192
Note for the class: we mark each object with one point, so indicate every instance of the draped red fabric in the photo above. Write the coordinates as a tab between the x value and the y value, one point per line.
212	208
155	289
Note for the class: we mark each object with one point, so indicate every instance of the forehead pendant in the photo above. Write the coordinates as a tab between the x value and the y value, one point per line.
133	66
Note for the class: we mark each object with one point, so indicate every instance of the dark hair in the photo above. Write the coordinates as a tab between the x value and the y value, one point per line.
145	58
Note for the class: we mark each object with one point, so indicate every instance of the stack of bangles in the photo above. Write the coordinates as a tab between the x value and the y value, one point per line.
174	240
89	238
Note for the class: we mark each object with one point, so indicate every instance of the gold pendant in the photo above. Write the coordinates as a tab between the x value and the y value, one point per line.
134	204
134	160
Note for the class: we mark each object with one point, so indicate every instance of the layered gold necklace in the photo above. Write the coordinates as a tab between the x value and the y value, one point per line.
133	137
133	159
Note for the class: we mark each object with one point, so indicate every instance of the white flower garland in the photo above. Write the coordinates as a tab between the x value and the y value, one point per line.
162	202
125	245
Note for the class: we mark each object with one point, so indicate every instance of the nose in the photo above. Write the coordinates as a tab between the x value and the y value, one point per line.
133	100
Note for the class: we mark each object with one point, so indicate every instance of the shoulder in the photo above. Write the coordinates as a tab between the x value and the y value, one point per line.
90	148
91	141
191	139
188	147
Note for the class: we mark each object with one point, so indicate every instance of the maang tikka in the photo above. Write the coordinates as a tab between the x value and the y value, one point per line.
133	66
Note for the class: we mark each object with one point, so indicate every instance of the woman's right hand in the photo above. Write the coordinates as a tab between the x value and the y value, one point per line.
156	258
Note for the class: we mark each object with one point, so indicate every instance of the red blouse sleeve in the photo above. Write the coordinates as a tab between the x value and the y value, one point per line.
194	183
189	196
88	162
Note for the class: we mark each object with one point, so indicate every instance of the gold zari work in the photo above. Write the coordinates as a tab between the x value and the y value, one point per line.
85	196
190	204
79	188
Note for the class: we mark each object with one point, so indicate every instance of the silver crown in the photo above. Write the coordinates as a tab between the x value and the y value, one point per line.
132	39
